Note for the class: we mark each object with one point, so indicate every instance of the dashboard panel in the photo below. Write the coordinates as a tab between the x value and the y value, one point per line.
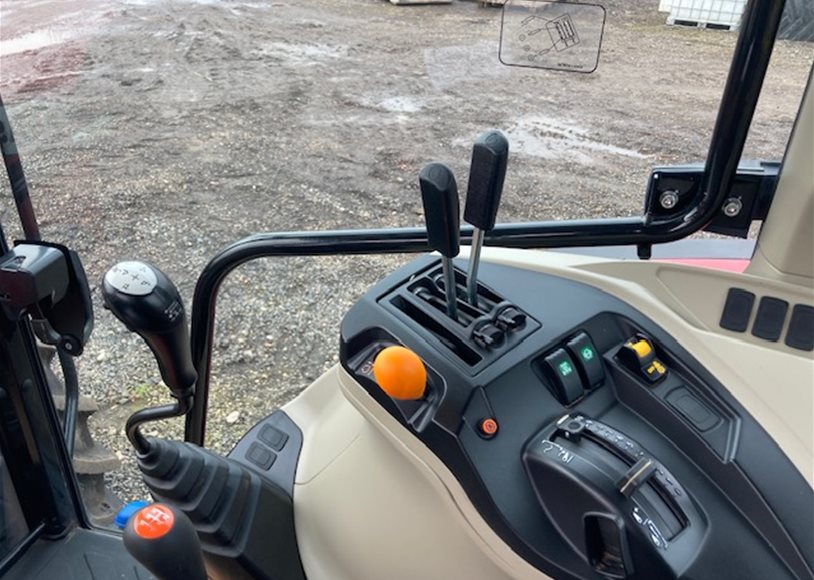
540	438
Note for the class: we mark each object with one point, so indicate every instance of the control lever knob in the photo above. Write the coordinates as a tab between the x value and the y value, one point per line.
163	539
439	193
400	373
148	303
487	172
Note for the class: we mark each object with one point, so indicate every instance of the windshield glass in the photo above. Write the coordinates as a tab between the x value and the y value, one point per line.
164	129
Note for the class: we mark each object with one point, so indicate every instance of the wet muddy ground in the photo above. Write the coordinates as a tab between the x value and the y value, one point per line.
163	130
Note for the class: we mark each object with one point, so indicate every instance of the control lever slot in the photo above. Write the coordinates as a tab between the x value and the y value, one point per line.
442	332
478	335
582	469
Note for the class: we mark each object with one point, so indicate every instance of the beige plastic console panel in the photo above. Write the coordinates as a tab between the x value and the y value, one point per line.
372	503
784	249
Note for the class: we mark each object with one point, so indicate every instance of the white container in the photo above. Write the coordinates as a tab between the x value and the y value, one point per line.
703	12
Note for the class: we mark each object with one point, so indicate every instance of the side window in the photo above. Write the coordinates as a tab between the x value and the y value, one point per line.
13	527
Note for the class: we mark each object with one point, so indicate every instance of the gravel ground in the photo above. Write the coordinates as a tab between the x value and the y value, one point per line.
163	130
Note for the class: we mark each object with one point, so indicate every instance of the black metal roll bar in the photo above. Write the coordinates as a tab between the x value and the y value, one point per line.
759	25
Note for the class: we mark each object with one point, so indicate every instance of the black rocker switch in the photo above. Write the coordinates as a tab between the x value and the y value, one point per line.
487	171
588	360
148	303
162	538
439	194
567	383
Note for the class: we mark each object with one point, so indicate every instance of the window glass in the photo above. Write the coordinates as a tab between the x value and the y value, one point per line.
163	130
13	527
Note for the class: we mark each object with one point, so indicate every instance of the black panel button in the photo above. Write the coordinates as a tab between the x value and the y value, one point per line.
737	310
567	383
261	456
273	437
771	314
692	409
588	360
801	328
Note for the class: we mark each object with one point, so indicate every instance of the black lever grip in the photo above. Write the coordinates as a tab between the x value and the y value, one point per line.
148	303
439	192
490	155
162	538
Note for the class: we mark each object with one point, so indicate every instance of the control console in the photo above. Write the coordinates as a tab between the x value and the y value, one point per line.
586	436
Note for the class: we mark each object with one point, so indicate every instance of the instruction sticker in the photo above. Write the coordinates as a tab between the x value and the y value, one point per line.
563	36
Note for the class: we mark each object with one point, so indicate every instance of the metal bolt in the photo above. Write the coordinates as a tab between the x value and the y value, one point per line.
733	206
668	199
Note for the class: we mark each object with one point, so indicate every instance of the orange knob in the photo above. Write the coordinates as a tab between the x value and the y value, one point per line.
400	373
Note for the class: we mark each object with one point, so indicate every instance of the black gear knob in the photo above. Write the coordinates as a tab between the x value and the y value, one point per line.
162	539
148	303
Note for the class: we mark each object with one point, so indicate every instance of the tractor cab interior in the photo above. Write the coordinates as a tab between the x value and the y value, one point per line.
604	408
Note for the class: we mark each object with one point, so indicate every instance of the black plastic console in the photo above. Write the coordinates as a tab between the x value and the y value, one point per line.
241	507
610	453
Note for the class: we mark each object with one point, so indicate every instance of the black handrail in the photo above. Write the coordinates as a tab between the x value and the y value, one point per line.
753	50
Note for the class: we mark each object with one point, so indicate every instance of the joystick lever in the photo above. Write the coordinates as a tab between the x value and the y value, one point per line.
487	172
439	193
148	303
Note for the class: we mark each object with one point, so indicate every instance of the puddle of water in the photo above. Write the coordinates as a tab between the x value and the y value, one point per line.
304	54
549	138
36	40
455	65
149	2
400	105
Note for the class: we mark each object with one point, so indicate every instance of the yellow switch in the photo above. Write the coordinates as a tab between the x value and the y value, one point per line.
642	348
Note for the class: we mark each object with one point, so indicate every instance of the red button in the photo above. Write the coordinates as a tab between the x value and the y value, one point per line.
488	427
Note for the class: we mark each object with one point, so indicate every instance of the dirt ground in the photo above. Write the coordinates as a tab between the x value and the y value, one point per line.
163	130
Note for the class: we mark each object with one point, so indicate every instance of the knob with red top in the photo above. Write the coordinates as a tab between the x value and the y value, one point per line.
162	539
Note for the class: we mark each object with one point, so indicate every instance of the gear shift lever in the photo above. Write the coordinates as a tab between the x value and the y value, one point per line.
486	174
148	303
162	538
439	193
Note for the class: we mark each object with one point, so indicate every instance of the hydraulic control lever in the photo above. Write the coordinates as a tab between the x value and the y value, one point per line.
148	303
439	193
487	172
